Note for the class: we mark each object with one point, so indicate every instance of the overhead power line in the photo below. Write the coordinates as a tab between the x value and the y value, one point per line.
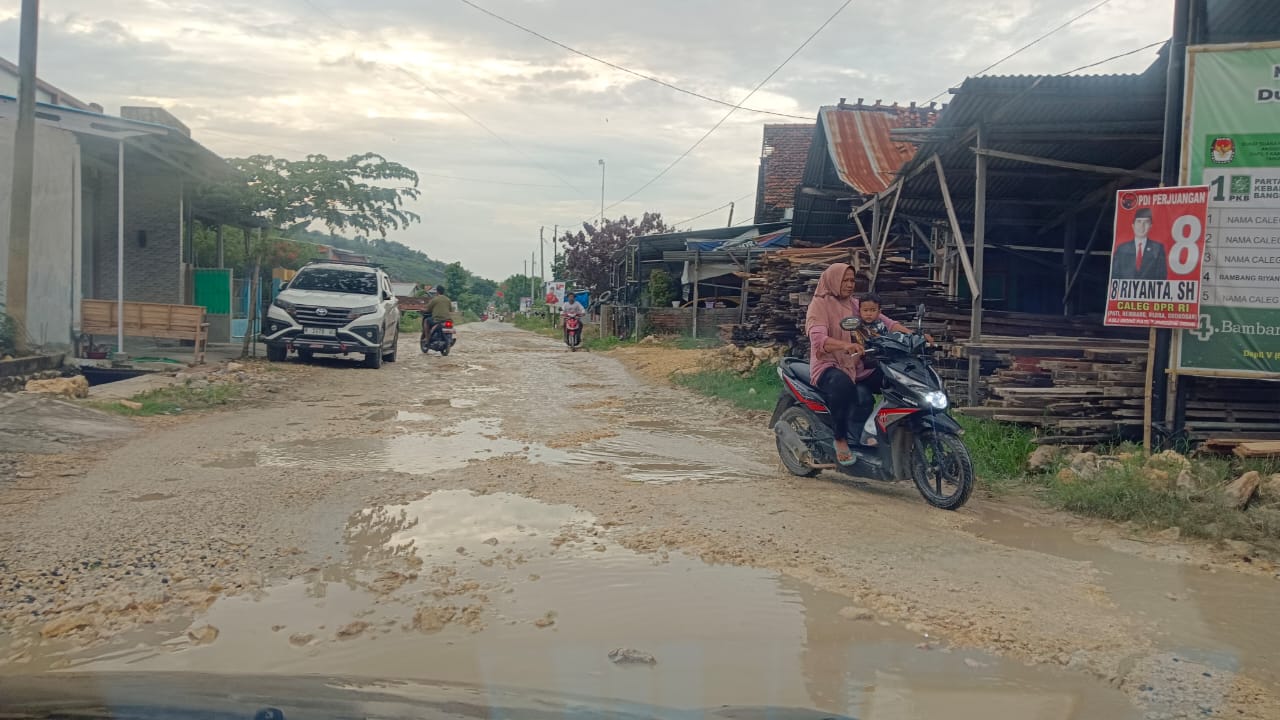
1104	61
1020	50
414	77
733	109
713	210
627	70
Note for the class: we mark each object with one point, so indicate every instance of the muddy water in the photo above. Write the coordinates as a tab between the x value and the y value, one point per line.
1215	618
638	454
554	595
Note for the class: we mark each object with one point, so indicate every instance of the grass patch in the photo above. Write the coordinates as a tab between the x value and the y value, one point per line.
175	400
999	451
410	322
1124	490
688	342
1124	494
734	388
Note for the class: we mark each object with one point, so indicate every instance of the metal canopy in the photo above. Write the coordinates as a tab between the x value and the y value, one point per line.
159	141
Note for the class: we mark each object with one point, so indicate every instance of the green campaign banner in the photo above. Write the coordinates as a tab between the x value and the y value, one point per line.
1232	145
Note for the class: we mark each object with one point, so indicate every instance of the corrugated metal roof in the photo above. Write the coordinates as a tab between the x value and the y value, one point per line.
1106	120
1231	21
866	158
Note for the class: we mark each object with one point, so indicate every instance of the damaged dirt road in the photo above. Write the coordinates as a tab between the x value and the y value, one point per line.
516	515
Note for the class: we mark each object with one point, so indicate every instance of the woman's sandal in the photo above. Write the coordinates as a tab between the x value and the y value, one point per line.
848	457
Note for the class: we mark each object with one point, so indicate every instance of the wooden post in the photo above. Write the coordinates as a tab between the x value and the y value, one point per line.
1068	259
863	233
979	239
1146	398
974	287
884	238
697	256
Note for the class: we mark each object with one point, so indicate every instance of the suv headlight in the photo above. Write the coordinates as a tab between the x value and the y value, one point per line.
284	305
366	310
937	399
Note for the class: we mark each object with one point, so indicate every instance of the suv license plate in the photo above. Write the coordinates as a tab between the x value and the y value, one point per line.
323	332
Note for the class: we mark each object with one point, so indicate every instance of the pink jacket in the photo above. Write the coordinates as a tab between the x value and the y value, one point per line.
820	360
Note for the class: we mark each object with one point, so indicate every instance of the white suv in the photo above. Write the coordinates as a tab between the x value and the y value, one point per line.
334	308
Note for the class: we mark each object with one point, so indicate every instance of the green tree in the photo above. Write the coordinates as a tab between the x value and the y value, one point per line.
456	281
514	288
660	291
341	194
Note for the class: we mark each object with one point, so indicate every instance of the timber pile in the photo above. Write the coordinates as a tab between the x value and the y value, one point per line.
786	281
1224	413
1076	390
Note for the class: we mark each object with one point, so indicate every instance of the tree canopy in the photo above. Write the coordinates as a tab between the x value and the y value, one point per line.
590	253
344	195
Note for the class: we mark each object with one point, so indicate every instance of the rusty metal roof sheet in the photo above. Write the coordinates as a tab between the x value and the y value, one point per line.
864	154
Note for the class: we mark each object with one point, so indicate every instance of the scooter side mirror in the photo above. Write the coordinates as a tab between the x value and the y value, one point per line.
850	324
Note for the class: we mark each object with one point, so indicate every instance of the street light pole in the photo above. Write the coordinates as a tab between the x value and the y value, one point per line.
601	192
24	159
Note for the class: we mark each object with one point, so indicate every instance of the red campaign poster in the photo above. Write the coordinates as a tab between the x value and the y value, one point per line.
1156	257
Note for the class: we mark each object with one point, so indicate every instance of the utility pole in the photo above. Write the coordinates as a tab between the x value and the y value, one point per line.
555	251
601	192
542	255
730	215
24	160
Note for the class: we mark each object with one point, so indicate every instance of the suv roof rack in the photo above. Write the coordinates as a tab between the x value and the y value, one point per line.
319	261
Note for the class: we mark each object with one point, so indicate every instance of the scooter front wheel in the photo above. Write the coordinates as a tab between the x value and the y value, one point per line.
942	469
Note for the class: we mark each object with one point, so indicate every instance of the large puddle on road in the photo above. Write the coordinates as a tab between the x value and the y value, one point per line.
1214	618
500	589
639	455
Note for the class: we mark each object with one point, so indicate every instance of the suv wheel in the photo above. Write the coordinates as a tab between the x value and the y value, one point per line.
277	353
395	345
373	360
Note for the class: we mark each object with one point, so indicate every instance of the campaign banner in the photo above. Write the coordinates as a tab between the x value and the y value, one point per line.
1156	258
1232	145
526	304
554	293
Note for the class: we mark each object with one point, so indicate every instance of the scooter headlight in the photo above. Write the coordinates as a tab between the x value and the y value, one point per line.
937	399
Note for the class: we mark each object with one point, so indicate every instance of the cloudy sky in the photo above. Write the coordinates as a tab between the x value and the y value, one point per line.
506	129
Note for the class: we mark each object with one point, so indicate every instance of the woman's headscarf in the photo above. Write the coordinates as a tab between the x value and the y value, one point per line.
827	310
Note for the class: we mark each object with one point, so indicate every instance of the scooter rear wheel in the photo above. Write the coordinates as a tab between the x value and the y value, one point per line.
801	423
942	469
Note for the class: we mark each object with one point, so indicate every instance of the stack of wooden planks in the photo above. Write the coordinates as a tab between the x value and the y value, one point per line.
1223	413
786	281
1075	389
1258	449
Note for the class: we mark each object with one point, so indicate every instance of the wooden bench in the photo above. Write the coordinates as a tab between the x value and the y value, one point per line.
153	320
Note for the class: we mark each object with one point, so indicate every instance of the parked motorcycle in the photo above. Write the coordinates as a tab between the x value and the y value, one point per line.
572	332
441	340
915	437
